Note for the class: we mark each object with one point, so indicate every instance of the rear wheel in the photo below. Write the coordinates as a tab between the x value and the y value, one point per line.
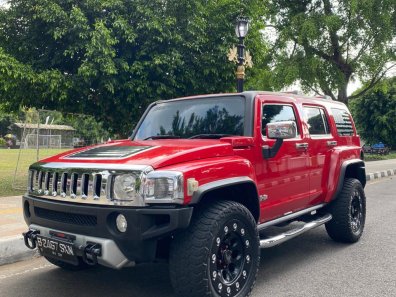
67	266
349	213
218	255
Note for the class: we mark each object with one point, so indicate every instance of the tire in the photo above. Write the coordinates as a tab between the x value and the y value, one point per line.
349	213
67	266
218	255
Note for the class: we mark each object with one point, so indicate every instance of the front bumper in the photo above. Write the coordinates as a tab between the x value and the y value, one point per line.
87	222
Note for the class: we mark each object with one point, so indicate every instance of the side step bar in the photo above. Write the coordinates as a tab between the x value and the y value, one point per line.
278	239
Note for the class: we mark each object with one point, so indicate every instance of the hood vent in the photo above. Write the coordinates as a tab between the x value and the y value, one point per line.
108	152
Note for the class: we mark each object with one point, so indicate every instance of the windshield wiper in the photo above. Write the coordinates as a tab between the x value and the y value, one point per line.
209	136
161	137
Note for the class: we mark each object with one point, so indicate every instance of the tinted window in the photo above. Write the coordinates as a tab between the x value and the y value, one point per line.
186	118
316	120
343	122
277	113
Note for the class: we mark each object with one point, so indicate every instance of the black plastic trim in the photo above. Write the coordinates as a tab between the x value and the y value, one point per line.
146	225
344	166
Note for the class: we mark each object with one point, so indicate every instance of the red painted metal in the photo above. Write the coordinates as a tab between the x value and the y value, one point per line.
293	180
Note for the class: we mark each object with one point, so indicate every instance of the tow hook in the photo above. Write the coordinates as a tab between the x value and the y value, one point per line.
91	253
30	238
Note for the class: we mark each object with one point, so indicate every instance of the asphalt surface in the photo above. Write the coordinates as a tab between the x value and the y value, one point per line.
309	265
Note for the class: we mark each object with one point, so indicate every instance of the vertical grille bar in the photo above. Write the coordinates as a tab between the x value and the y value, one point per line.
97	186
40	182
55	177
73	185
84	185
46	183
63	185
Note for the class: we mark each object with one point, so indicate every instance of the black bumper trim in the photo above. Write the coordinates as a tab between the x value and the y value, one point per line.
145	225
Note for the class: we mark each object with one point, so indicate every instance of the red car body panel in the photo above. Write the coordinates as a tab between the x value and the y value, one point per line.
292	180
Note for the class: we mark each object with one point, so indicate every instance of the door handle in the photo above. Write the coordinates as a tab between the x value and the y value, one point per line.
303	145
331	143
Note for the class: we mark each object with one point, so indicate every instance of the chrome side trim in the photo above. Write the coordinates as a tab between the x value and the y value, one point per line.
111	255
281	238
289	217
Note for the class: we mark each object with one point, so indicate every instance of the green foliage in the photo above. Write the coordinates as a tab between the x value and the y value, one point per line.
375	113
111	59
325	44
6	119
3	142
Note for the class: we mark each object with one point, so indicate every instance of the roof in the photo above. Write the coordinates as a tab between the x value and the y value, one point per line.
45	127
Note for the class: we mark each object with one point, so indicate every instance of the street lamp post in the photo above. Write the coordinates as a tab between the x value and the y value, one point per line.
241	29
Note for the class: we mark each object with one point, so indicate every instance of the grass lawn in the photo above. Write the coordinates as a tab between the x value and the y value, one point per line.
375	157
8	163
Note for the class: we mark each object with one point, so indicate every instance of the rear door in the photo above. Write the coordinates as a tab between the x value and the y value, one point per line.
320	145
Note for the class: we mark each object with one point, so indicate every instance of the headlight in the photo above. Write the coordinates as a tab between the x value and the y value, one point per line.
126	187
163	187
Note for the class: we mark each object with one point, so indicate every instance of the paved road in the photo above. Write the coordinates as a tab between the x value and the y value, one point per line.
310	265
375	166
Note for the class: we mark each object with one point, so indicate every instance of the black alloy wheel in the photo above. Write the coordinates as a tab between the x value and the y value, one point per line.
230	260
218	255
349	213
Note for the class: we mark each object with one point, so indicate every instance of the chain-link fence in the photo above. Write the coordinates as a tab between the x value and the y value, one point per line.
38	134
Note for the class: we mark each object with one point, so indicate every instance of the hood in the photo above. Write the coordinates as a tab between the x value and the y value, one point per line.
155	153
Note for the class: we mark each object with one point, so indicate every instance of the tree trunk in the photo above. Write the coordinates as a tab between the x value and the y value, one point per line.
342	94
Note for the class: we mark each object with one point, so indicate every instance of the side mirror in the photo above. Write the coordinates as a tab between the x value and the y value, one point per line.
278	131
281	130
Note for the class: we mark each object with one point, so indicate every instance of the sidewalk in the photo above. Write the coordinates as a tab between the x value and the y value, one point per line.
12	224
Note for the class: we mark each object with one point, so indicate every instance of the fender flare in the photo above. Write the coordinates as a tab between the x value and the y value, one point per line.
224	183
361	172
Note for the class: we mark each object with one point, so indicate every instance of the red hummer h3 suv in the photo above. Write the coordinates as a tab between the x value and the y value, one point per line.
200	182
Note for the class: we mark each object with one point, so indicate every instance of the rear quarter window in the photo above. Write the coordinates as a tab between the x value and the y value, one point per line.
343	122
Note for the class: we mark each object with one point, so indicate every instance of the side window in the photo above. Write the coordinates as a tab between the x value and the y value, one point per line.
316	120
343	122
273	113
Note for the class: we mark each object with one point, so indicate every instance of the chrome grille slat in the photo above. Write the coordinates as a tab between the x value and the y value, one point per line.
46	183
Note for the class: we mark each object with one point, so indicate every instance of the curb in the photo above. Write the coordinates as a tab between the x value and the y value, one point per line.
380	174
13	249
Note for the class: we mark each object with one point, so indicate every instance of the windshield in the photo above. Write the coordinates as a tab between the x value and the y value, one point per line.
194	117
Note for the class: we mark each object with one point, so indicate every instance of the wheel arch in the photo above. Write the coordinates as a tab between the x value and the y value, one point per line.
239	189
354	168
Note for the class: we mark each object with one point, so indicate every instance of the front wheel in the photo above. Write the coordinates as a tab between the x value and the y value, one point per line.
349	213
218	255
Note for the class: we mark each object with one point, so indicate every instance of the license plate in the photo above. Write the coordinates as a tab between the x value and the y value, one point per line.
57	249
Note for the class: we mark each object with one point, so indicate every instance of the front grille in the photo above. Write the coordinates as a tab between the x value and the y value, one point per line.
65	217
77	186
78	183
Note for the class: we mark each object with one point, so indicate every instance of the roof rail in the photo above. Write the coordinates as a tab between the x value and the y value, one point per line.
327	97
295	92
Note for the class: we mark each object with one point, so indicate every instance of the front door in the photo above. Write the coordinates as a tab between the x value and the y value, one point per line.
283	180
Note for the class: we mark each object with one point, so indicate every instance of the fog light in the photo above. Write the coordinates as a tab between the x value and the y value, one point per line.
121	223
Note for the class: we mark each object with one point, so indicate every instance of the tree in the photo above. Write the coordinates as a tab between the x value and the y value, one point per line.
326	44
375	113
112	58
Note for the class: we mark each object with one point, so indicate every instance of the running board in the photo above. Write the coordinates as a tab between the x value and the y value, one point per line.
281	238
